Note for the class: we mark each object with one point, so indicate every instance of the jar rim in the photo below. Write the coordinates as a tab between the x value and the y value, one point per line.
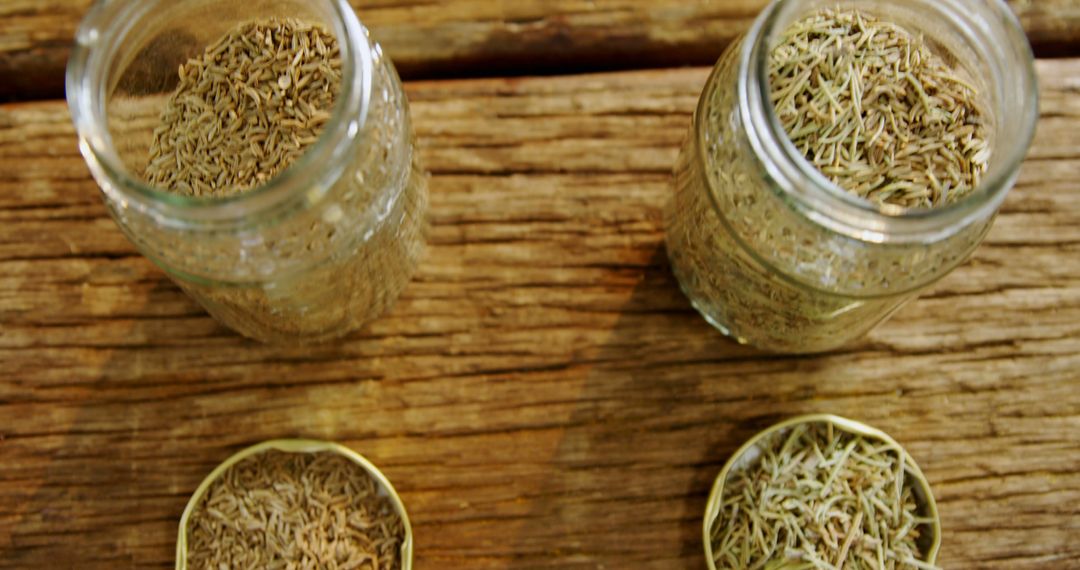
308	178
828	205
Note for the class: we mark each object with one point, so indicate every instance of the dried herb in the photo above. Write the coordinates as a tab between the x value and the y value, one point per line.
759	266
877	111
820	498
246	109
295	511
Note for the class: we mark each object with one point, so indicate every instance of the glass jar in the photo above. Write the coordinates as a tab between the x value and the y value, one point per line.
775	255
310	254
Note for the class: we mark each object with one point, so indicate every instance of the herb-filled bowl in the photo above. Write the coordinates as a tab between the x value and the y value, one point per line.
295	504
821	491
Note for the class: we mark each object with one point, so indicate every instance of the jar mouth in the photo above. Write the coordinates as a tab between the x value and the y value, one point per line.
88	89
993	32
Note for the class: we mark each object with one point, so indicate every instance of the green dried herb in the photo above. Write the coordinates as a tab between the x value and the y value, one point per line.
819	498
878	112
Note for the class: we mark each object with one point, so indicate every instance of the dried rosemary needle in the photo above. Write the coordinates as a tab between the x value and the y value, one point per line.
877	111
819	498
246	109
296	511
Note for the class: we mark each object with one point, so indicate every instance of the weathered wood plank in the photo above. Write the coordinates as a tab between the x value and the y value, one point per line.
493	38
542	396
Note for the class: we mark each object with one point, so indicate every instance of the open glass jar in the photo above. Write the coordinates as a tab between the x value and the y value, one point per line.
309	254
774	254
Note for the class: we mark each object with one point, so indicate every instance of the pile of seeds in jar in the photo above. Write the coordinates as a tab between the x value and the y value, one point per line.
879	113
246	109
295	511
817	498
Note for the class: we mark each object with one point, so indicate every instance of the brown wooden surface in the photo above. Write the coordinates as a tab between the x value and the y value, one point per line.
493	37
543	396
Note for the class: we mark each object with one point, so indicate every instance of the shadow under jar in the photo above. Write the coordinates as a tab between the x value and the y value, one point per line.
312	252
774	254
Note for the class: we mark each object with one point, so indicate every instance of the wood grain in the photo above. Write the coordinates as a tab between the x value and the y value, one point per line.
543	396
473	38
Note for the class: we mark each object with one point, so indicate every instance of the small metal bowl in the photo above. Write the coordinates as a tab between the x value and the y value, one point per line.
751	450
298	446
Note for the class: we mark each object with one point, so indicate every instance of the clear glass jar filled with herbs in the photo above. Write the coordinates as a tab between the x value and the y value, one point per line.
259	151
843	158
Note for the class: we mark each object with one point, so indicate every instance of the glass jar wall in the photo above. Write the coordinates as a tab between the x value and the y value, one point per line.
311	253
775	255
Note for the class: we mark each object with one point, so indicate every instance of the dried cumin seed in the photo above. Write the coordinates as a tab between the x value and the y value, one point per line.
292	510
246	77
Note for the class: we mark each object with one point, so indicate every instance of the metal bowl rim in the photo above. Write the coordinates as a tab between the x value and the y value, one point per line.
296	446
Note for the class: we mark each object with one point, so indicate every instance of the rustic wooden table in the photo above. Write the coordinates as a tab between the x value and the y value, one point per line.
542	396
